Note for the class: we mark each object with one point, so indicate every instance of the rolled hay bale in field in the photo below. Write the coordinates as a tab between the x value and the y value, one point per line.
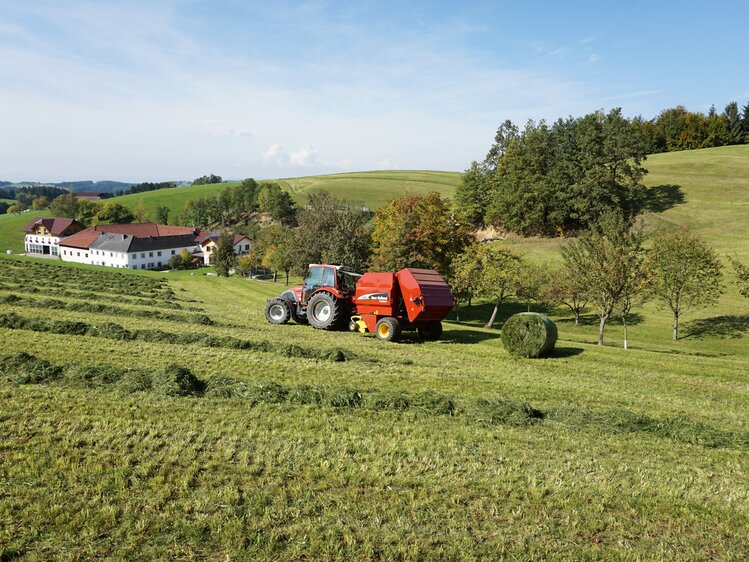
529	334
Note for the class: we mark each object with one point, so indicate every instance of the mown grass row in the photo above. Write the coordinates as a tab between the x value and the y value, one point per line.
99	280
98	308
113	331
174	380
24	288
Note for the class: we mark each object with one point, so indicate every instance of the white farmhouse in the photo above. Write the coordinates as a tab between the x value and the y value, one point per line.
131	246
208	240
43	235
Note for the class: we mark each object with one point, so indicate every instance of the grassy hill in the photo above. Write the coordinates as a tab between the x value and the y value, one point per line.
442	450
370	189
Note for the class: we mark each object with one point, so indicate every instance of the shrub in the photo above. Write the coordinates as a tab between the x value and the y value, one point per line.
529	334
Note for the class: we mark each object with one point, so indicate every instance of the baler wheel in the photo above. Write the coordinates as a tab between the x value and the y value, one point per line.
324	311
388	329
277	311
430	331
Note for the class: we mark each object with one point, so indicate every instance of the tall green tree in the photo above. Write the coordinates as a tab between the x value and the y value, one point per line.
224	257
418	231
733	120
331	231
490	271
65	206
609	255
473	195
162	214
742	276
568	286
686	271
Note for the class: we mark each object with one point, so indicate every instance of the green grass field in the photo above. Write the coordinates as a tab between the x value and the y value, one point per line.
442	450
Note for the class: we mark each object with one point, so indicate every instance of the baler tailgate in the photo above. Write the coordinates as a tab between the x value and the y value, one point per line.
426	294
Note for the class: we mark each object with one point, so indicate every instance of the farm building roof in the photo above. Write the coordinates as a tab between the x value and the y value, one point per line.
55	225
205	237
134	237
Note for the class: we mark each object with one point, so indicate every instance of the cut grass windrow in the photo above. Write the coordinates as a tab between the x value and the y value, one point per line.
112	331
56	304
174	380
24	288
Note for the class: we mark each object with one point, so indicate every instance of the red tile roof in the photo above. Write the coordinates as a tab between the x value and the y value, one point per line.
56	226
206	236
85	238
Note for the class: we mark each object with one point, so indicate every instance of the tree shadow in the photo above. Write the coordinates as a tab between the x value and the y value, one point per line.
727	326
633	319
661	198
468	336
561	352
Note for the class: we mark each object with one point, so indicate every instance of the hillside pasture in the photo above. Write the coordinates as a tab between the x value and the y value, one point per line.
129	448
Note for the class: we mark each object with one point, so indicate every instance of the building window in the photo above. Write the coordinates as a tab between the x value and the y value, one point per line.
143	266
150	254
143	255
158	254
174	252
78	254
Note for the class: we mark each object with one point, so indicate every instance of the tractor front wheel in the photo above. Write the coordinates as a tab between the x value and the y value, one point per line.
430	331
324	311
277	311
388	329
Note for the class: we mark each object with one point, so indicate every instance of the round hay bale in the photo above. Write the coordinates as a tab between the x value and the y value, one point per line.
529	334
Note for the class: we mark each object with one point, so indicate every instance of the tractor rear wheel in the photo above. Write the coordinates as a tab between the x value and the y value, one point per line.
388	329
325	312
430	331
277	311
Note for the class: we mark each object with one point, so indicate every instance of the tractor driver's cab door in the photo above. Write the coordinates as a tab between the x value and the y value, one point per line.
317	277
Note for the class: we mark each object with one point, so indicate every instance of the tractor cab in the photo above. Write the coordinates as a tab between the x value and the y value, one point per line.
339	280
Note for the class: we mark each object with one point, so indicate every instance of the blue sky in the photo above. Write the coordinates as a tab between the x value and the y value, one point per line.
175	89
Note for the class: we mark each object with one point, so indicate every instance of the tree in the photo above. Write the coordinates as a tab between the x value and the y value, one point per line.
140	211
418	231
272	199
224	257
488	271
205	180
465	276
474	194
609	255
745	123
553	179
733	120
330	231
65	206
40	202
568	286
162	214
275	245
742	276
114	213
532	281
686	271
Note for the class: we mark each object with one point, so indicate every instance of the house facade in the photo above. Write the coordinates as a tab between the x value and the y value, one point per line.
43	235
130	246
209	240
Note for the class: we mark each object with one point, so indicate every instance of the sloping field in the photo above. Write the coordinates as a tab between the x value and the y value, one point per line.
274	447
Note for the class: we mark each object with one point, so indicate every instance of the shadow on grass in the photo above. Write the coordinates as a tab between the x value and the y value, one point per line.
479	314
468	336
561	352
728	326
593	320
661	198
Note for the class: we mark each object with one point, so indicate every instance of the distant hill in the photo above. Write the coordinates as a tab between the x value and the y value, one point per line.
107	186
367	189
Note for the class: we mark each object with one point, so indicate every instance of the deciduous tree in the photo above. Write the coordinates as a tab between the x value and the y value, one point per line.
609	254
224	257
686	272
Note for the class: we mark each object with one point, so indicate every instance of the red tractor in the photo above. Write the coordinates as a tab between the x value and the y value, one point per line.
333	296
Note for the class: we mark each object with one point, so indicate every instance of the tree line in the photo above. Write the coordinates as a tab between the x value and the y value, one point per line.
560	178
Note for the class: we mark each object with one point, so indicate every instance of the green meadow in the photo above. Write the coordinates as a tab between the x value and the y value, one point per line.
158	415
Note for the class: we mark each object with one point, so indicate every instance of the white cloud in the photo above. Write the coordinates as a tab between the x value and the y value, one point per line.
345	164
384	164
594	57
305	156
273	154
